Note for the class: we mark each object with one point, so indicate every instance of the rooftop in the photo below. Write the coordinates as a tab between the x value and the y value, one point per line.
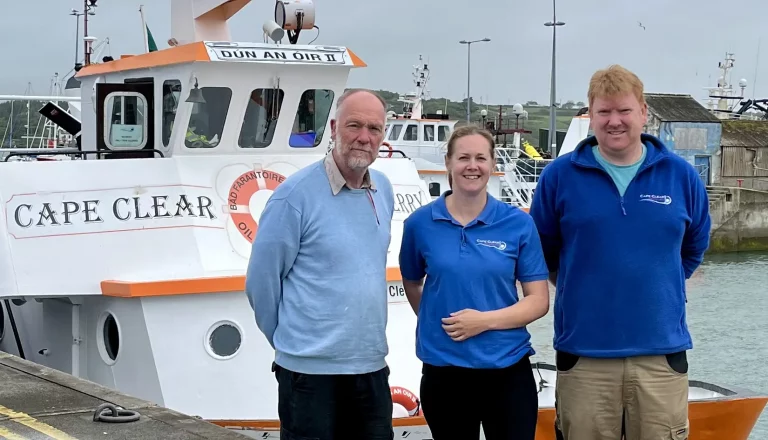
744	133
211	51
678	108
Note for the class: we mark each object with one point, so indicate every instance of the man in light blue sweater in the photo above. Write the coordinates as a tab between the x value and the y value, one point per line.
317	283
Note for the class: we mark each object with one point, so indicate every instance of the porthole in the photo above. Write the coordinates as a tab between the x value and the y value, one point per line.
108	338
223	340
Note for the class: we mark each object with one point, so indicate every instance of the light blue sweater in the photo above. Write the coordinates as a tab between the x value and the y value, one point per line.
316	277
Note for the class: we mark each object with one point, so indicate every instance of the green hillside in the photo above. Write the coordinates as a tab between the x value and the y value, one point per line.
538	115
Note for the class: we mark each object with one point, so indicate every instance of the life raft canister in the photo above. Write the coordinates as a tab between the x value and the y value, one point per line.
406	399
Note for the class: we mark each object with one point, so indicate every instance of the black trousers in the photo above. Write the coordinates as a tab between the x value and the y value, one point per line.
334	407
456	401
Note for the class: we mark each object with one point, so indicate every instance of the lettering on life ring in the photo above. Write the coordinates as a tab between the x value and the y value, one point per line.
406	399
239	198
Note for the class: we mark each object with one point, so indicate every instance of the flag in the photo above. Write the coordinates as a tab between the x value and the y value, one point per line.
151	46
149	41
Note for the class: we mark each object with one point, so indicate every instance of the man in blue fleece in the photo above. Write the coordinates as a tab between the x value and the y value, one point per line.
623	222
317	283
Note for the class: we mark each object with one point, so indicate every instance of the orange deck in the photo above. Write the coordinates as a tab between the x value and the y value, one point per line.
711	420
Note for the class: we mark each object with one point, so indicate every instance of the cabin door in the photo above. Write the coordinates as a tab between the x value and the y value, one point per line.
125	119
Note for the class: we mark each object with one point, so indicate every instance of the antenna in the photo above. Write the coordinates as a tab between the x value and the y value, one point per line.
413	102
757	61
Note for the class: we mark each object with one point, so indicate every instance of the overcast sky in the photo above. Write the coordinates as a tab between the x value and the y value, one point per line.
677	52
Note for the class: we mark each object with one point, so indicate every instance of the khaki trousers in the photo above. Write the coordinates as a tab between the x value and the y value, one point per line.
646	397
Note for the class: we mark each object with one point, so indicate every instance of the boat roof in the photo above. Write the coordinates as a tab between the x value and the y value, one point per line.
228	52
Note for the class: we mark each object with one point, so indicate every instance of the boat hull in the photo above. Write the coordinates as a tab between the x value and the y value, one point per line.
715	413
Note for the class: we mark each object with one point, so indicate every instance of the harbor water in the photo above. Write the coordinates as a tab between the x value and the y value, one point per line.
727	318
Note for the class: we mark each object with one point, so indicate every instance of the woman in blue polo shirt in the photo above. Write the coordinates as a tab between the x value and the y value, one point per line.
460	258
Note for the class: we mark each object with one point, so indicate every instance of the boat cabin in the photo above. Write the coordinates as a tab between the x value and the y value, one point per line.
418	132
214	98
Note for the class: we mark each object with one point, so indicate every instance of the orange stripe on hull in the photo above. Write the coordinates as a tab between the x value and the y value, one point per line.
710	420
190	286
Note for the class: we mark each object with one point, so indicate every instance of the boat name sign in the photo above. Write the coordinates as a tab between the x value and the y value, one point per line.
408	198
276	54
58	213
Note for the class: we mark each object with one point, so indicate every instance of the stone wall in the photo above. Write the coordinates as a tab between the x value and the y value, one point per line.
739	219
760	183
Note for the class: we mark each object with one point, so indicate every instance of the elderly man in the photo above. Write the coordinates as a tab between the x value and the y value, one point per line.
623	222
317	283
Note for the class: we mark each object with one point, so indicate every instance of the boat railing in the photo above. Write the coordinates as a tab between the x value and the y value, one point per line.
32	152
520	174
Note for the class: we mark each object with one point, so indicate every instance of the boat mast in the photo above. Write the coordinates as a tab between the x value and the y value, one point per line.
87	6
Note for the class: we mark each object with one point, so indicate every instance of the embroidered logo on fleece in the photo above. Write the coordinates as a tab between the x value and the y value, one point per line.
500	245
653	198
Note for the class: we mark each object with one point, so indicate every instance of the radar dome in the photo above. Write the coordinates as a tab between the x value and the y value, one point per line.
517	109
743	82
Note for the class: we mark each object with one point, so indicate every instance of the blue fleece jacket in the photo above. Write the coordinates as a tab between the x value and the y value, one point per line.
316	277
622	261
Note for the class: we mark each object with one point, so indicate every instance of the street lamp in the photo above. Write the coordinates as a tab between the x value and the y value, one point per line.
552	112
469	45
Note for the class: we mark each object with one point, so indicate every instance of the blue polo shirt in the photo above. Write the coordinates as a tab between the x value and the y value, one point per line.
470	267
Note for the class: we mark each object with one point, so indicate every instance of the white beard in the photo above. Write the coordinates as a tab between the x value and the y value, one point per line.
357	163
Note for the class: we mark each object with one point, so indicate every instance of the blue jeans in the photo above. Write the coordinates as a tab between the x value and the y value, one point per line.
334	407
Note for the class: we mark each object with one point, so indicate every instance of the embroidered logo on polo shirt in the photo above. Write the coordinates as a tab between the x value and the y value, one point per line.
661	200
500	245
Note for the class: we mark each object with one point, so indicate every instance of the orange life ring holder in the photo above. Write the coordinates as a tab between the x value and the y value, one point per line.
386	144
408	400
239	198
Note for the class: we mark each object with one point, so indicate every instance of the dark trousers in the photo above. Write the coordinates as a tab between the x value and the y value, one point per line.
334	407
456	401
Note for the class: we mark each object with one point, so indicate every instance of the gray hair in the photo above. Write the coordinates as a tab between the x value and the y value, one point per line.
349	92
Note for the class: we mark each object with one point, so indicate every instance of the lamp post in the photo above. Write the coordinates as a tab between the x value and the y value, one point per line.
552	112
469	45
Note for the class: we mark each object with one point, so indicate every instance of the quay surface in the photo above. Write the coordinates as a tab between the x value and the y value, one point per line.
40	403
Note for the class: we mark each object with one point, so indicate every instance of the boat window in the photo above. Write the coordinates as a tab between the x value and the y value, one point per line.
395	133
429	133
209	113
260	118
127	120
443	132
171	94
311	118
224	340
108	338
411	133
